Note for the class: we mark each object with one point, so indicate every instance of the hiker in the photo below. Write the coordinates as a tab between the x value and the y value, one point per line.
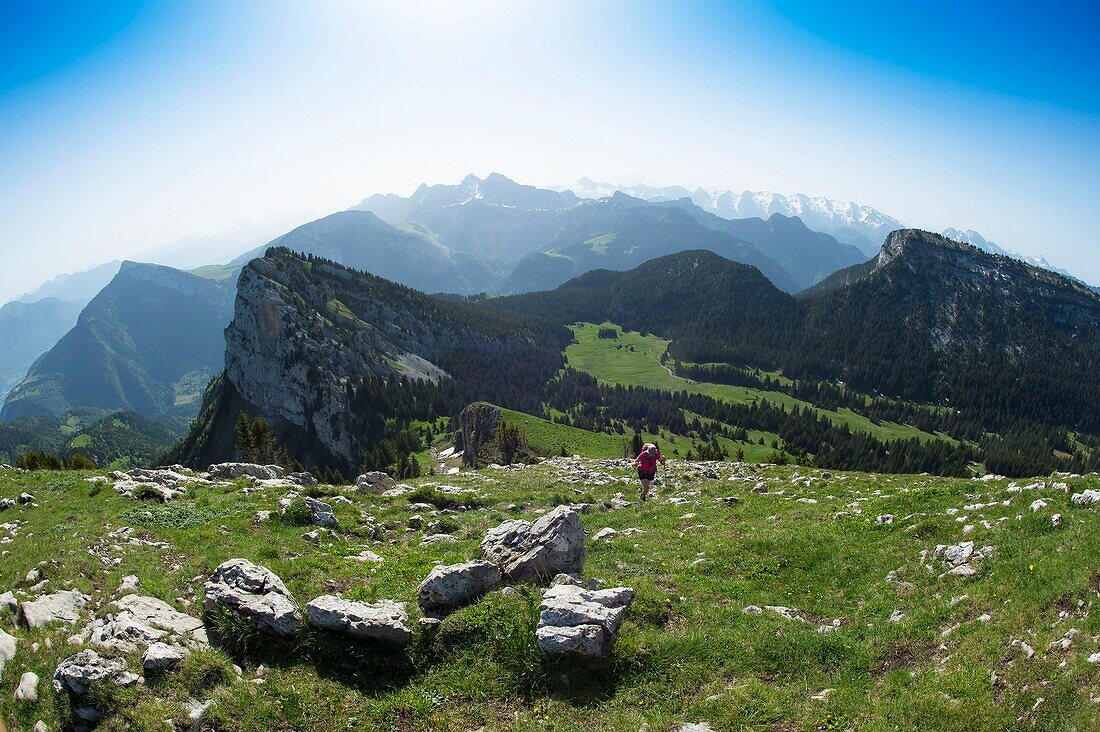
647	465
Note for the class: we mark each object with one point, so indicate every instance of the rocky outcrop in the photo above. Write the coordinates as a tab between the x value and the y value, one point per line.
308	338
384	620
476	430
536	552
78	672
256	594
452	586
574	621
374	482
229	471
143	621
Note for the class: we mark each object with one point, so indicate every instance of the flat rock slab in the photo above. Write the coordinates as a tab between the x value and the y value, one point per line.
142	621
536	552
384	620
455	585
59	607
256	594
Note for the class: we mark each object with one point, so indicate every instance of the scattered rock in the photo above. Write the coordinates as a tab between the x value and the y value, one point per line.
438	539
129	584
255	593
605	533
886	518
455	585
229	471
160	657
63	606
24	498
7	649
1086	498
321	513
27	690
142	621
753	610
366	556
535	552
80	670
374	482
578	622
384	620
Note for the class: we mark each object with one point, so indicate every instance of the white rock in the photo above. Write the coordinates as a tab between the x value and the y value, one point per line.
79	671
455	585
256	594
533	552
27	690
384	620
160	657
63	606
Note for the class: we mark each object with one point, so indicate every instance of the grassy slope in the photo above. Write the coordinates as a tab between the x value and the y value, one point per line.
605	359
547	438
687	652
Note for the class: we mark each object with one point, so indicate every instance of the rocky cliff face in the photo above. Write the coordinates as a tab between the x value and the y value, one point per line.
309	338
294	343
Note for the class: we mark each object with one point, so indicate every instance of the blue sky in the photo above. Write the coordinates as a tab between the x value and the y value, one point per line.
128	126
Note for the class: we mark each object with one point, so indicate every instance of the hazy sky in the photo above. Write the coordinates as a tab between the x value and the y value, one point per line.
126	127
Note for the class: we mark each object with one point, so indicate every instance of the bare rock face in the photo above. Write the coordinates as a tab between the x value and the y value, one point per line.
455	585
161	657
63	606
256	594
536	552
574	621
229	471
384	620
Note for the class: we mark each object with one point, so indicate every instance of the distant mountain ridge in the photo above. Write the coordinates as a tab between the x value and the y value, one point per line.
535	239
851	223
147	343
861	226
27	330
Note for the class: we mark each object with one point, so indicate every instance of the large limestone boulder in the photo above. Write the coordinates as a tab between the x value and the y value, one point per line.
452	586
536	552
63	606
229	471
384	620
574	621
374	482
79	671
256	594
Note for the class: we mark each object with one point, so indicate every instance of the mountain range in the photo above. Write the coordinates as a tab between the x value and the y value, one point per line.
921	321
861	226
339	361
